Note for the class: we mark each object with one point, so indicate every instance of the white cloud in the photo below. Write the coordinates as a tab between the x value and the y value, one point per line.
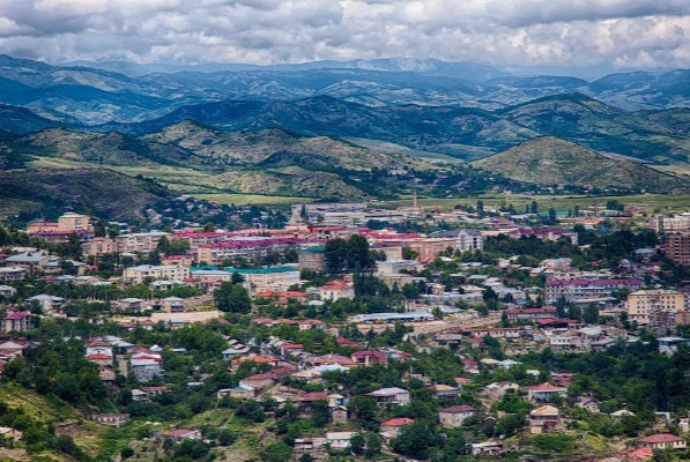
506	32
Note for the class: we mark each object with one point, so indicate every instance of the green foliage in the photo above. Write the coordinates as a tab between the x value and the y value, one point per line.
232	298
553	442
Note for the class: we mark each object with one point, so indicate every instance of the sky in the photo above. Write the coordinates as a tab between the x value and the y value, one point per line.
621	34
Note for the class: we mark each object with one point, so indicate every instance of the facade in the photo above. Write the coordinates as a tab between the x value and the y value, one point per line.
662	441
13	273
470	240
99	246
455	416
544	419
677	247
647	306
139	274
579	290
139	242
277	277
112	420
545	393
312	258
393	395
531	314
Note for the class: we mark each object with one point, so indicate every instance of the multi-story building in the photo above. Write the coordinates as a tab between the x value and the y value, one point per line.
248	247
66	225
139	274
578	290
677	247
470	240
649	307
272	278
662	224
313	258
139	242
99	246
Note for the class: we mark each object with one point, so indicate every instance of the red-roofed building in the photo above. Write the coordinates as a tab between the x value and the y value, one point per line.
545	393
182	434
662	441
392	427
337	289
369	357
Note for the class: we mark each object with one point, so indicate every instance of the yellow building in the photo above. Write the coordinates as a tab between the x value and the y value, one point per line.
645	305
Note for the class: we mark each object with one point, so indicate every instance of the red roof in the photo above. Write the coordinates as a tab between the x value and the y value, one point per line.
399	422
291	346
179	432
459	408
660	438
314	396
545	387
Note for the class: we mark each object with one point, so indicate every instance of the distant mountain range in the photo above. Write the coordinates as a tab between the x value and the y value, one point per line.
317	129
97	93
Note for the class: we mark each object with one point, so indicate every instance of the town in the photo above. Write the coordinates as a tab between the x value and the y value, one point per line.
353	332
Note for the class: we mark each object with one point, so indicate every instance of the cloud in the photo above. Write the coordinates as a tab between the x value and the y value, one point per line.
626	33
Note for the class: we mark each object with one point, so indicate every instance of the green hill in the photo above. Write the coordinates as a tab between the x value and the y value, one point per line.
103	193
553	161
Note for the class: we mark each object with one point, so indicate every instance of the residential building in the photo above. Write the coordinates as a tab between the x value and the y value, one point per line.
579	290
662	441
455	416
677	247
545	393
13	274
531	314
392	395
544	419
646	306
32	262
275	277
139	242
335	290
140	274
182	434
112	420
312	258
391	428
469	240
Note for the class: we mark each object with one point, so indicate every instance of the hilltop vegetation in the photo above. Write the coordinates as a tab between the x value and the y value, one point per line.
553	161
103	192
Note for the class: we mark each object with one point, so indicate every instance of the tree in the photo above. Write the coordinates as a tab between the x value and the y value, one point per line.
336	255
320	413
535	207
232	298
415	440
365	410
591	314
358	253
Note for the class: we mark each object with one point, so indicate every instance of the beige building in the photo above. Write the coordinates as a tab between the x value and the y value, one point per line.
99	246
139	274
75	222
139	242
272	278
644	305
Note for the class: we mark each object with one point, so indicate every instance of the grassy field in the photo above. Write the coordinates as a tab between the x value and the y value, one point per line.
252	199
647	202
185	180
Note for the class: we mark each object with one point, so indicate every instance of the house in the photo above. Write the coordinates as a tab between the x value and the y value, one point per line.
369	357
497	390
182	434
291	348
173	305
545	393
146	370
544	419
7	291
335	290
48	303
155	391
662	441
13	274
140	396
487	448
531	314
391	428
339	415
588	404
31	262
112	420
455	416
259	381
305	403
392	395
444	391
15	321
240	392
339	440
132	304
